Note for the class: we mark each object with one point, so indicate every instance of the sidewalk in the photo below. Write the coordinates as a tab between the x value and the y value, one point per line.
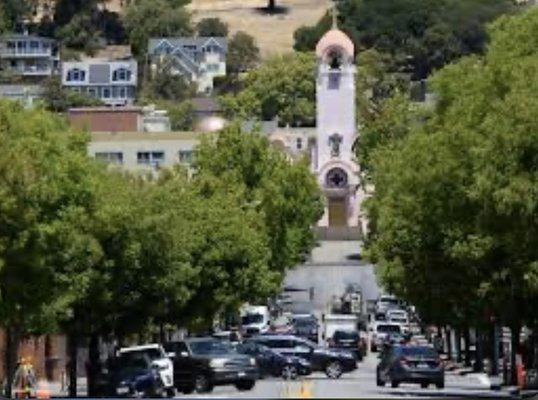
56	389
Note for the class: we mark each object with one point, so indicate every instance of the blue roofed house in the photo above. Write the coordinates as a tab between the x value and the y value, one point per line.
198	59
112	82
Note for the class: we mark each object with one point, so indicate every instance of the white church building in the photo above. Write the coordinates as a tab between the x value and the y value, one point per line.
336	130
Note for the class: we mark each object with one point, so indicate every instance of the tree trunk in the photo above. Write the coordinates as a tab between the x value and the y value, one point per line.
448	334
459	357
271	4
72	363
467	340
94	366
479	358
10	358
515	348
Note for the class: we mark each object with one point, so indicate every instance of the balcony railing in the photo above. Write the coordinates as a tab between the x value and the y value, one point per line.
31	70
27	52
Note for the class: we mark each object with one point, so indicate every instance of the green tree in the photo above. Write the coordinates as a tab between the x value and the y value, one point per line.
164	85
59	99
455	199
286	193
243	53
155	18
420	35
46	190
212	27
80	33
282	87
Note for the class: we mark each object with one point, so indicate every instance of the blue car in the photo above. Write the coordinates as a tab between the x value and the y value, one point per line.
134	376
272	363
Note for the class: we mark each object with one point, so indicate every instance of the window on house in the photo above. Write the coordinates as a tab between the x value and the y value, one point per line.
92	92
334	81
152	158
185	156
121	74
110	157
299	143
122	93
106	93
76	75
189	47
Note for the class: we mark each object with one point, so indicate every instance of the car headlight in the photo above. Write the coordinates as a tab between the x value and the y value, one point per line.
252	362
217	362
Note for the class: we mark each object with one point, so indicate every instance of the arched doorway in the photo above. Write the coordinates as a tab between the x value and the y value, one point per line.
336	181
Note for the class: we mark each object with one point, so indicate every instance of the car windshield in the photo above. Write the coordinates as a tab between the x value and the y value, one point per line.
252	319
205	347
133	361
418	351
398	319
152	354
388	300
343	335
388	328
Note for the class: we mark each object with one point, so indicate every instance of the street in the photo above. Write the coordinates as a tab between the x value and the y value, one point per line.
359	384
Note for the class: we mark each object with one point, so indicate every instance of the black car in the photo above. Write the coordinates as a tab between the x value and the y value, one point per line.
333	362
349	340
134	376
410	364
272	363
306	327
202	363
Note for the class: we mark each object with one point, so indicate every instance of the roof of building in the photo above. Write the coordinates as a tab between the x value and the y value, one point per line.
111	53
20	90
87	110
205	105
199	42
335	38
142	136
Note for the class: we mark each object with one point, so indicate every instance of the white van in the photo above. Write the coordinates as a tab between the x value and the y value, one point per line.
255	319
399	317
162	362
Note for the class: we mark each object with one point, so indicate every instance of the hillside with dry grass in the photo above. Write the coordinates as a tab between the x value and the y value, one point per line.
273	32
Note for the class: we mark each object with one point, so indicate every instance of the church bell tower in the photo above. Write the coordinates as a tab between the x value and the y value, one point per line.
333	159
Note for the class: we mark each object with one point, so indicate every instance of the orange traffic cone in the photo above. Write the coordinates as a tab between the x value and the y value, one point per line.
43	391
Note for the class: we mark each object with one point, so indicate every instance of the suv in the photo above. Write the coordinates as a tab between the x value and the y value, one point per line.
351	341
160	361
332	362
202	363
306	327
413	364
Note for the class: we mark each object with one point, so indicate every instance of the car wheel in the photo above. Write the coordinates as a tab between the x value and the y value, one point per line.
440	385
333	370
245	385
378	379
202	384
424	385
289	372
394	384
171	392
187	390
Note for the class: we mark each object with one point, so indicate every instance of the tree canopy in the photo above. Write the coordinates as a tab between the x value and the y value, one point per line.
212	27
282	87
453	217
420	35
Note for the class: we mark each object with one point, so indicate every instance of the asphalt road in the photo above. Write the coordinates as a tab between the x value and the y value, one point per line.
359	384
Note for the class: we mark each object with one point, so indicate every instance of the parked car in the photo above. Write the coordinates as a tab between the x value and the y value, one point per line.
410	364
306	327
331	361
380	333
202	363
351	341
272	363
160	361
134	375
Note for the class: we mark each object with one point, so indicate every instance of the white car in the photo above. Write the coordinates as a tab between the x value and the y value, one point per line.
385	303
159	359
399	317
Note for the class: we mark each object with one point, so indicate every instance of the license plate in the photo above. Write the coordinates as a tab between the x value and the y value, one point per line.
241	374
422	365
122	390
